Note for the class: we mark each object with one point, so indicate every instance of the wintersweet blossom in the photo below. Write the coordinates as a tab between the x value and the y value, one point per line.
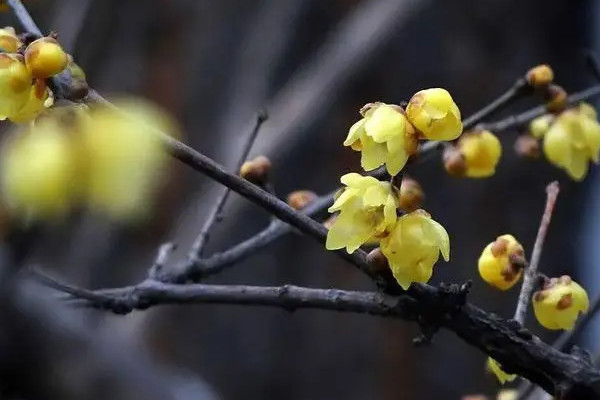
367	209
383	136
501	262
558	304
435	114
481	151
413	247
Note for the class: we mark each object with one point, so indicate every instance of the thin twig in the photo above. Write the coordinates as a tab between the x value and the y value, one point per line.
215	214
162	256
531	272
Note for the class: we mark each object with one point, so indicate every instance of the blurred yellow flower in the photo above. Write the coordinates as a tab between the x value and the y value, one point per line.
494	367
45	57
9	42
367	210
572	142
559	303
501	262
481	151
38	173
434	114
383	136
124	157
540	125
413	247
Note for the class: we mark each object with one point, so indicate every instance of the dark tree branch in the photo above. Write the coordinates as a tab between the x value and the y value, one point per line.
215	214
515	347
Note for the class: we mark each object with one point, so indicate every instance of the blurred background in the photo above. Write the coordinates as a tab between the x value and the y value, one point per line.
311	64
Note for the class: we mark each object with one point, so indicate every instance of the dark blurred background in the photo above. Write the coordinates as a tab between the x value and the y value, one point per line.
312	64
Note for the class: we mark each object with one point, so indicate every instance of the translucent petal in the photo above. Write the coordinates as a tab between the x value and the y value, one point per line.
343	199
376	195
385	123
373	156
356	130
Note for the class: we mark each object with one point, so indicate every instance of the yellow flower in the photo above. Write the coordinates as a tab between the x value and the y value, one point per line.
15	83
572	141
367	210
39	98
413	247
383	136
434	114
540	125
481	151
44	57
38	173
558	304
124	158
494	367
9	42
501	262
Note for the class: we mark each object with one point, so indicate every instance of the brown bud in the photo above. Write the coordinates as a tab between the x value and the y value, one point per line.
540	76
527	146
256	170
556	98
299	199
499	247
454	161
411	195
377	260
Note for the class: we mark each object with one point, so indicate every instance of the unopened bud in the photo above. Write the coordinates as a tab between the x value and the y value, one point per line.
556	98
540	76
44	57
454	161
256	170
527	146
300	198
411	195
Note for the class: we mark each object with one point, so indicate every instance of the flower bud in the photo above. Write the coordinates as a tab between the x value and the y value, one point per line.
256	170
481	151
540	125
9	41
540	76
44	57
434	113
300	198
411	195
15	83
527	146
556	98
501	263
454	161
558	304
494	367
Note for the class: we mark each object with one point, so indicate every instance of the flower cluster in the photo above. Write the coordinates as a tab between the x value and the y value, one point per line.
368	209
571	139
23	74
73	156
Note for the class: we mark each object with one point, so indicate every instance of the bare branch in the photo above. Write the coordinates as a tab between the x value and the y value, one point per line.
215	214
531	272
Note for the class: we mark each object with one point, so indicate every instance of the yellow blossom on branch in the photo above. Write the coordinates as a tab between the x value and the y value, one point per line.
383	136
15	83
434	113
413	247
45	57
481	151
9	41
573	141
559	303
501	263
39	97
367	209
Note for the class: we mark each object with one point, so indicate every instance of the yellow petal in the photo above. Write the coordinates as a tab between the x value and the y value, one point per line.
355	132
385	123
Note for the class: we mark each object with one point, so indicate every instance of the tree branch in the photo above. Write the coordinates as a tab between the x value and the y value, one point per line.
515	347
215	214
531	271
